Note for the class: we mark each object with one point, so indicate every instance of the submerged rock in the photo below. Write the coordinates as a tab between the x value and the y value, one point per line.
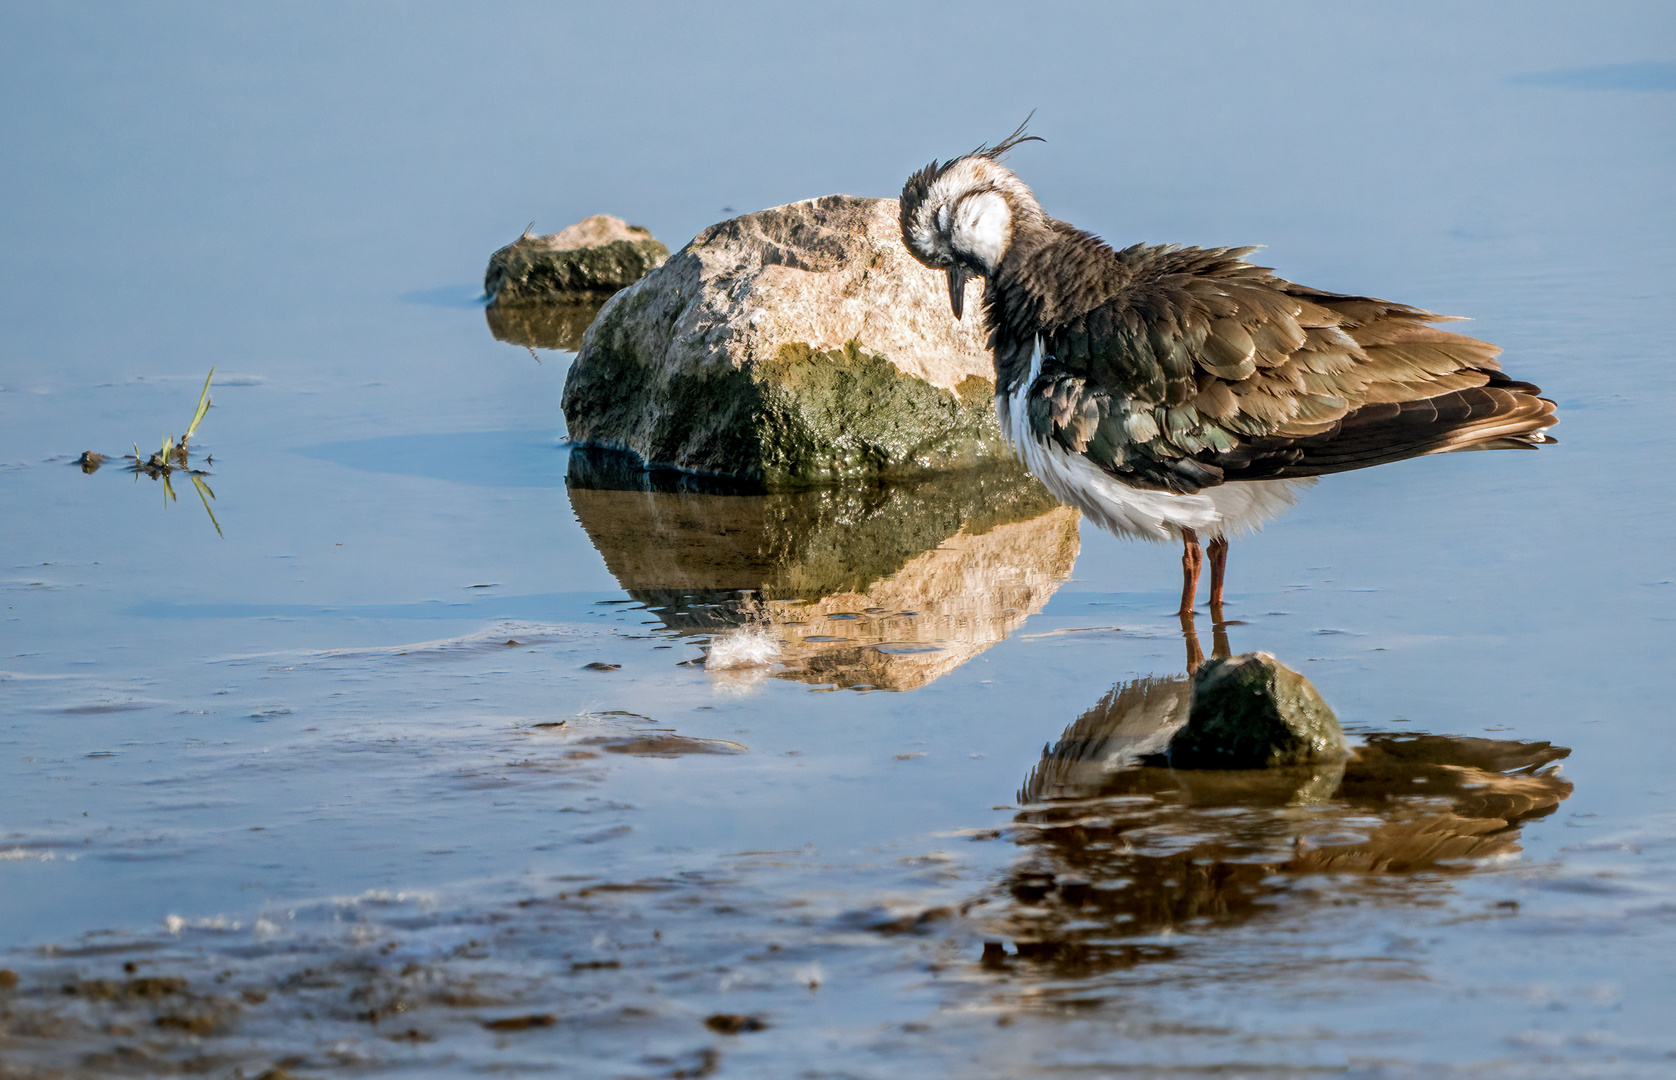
791	347
1249	714
1252	712
591	259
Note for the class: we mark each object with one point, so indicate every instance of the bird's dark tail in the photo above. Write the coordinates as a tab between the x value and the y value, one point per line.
1502	414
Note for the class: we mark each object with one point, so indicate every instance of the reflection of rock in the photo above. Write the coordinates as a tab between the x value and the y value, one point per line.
1117	851
792	346
880	586
937	612
556	325
597	255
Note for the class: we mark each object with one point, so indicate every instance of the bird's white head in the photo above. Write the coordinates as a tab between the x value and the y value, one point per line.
961	217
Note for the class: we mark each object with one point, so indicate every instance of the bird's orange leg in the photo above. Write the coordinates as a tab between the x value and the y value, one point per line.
1192	559
1218	551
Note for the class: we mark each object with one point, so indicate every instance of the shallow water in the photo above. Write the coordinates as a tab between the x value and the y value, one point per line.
344	767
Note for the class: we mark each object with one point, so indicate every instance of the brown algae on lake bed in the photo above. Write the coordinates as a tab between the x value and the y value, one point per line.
1111	872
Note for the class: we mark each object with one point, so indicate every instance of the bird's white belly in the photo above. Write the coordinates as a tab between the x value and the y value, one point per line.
1225	510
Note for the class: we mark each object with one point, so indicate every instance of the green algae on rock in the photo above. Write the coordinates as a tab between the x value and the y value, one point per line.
841	413
794	347
803	418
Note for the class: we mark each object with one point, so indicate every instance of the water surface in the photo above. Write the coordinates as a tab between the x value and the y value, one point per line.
411	771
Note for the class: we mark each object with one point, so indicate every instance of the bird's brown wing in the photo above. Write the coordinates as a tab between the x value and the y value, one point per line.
1198	367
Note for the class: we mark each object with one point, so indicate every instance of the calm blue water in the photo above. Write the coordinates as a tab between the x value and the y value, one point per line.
305	743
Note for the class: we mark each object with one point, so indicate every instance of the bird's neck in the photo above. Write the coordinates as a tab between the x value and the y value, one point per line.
1050	274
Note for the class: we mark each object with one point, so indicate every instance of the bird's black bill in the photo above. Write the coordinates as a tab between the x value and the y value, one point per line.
957	288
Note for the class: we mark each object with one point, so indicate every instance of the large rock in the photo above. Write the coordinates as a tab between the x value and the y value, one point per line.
588	260
1252	712
792	347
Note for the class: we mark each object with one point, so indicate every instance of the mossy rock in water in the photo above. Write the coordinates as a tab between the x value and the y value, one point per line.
1253	712
586	261
525	272
793	347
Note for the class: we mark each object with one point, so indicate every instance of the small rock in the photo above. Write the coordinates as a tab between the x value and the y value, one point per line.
594	257
600	665
664	745
148	987
911	923
154	986
1253	712
733	1023
521	1023
192	1023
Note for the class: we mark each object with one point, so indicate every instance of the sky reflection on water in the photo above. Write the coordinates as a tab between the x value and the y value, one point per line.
359	737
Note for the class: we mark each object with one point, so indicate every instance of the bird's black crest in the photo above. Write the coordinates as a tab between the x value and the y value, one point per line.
996	152
919	184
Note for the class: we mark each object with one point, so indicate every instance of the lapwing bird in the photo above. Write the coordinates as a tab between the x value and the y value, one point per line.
1176	392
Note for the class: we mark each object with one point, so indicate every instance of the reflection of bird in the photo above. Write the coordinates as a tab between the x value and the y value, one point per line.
1116	848
1169	391
1115	852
